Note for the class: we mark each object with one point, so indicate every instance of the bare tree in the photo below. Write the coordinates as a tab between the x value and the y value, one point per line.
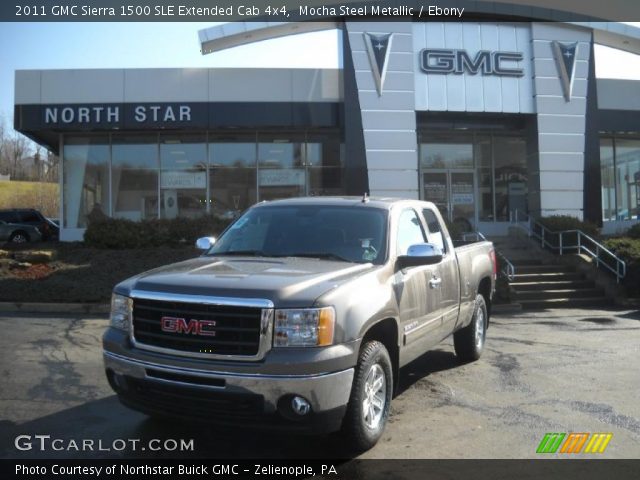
53	167
19	149
37	164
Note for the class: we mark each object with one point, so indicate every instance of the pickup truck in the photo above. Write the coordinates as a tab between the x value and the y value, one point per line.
299	316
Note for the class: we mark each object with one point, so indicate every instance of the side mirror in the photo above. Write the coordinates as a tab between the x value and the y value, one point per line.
420	254
205	243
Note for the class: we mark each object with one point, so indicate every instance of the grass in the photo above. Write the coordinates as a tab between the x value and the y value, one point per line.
39	195
81	274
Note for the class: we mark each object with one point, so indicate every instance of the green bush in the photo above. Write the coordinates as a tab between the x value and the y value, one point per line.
557	223
120	233
629	250
634	232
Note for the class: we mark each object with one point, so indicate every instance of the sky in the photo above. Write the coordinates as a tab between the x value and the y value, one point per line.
146	45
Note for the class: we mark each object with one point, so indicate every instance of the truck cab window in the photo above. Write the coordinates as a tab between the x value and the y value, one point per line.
435	231
409	231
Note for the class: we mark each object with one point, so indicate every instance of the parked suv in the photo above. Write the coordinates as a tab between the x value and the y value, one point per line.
29	216
17	233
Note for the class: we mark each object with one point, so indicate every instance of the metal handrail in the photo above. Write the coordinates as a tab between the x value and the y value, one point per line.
507	268
620	269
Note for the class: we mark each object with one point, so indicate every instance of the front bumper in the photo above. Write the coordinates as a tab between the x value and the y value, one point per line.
231	398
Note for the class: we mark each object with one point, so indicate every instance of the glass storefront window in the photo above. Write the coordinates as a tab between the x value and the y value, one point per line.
447	152
170	175
86	178
607	179
232	174
134	177
324	159
510	173
183	176
282	166
620	174
628	176
324	150
484	161
474	175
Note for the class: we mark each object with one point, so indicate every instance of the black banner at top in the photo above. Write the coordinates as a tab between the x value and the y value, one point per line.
309	10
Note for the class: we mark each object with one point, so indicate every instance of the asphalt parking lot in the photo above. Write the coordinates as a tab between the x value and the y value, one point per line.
549	371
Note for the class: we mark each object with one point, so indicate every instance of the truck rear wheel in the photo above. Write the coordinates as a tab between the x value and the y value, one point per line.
371	393
469	341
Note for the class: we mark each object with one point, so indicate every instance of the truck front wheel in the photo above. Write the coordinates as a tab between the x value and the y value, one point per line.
368	408
469	341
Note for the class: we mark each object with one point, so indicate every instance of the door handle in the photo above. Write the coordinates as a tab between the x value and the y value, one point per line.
435	282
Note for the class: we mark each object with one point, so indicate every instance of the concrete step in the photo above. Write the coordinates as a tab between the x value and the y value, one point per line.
564	303
525	261
564	293
524	269
544	277
552	285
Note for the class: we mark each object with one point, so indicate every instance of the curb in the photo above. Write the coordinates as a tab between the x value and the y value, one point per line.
13	307
506	308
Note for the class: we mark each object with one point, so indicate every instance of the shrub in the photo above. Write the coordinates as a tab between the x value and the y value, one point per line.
120	233
629	250
634	232
557	223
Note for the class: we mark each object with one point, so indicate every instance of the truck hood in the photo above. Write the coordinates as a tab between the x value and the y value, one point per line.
287	282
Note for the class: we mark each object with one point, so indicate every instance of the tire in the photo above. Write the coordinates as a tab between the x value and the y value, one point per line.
469	341
365	420
19	237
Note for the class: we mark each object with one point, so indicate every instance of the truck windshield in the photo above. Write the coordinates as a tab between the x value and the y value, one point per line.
350	234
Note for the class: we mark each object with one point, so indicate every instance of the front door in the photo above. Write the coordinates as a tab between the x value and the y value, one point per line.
417	291
453	192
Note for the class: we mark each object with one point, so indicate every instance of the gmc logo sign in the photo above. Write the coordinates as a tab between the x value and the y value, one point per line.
193	326
485	62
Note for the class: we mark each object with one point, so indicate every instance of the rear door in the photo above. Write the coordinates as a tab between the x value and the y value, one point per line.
418	300
9	216
446	271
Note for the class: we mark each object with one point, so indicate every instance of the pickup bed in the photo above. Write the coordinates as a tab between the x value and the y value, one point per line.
299	316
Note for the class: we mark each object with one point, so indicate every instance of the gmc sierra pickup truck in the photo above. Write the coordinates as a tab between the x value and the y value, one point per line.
300	315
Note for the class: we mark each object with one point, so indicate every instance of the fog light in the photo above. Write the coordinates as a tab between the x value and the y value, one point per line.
300	405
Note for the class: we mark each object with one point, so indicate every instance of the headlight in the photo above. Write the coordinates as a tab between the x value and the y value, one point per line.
121	307
304	327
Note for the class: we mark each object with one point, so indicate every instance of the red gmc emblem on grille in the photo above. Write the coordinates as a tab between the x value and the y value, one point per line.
193	326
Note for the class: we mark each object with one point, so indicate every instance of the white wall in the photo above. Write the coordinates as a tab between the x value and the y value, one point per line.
473	93
388	120
561	123
177	85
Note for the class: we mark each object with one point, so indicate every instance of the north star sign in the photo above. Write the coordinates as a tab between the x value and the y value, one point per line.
112	114
457	62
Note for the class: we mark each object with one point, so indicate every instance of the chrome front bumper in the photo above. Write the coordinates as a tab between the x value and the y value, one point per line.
324	391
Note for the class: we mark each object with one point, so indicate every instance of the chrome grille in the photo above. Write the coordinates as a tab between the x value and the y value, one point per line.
235	331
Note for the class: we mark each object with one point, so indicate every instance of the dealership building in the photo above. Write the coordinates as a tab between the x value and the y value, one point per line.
491	120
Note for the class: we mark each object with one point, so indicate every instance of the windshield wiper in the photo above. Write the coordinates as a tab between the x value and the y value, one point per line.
322	255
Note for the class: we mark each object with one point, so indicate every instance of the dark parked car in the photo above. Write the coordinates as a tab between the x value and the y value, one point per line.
17	233
29	216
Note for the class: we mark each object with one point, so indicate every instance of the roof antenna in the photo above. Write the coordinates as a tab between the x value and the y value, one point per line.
365	197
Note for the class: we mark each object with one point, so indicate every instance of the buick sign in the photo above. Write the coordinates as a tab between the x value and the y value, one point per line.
457	62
